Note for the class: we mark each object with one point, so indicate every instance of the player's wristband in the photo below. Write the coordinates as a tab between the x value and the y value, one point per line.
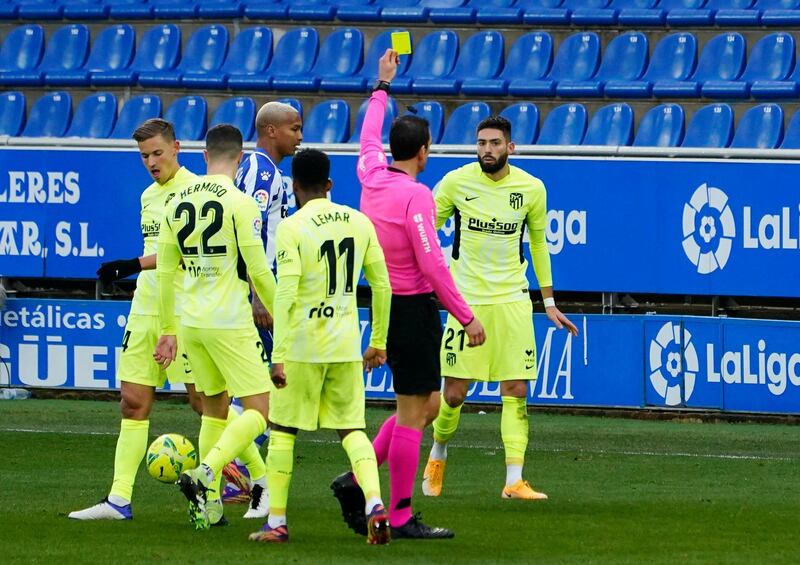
381	85
550	302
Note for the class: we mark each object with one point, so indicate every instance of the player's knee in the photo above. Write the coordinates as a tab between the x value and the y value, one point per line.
133	407
518	389
454	398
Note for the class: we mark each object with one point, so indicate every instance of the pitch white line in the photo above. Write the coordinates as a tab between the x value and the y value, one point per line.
628	453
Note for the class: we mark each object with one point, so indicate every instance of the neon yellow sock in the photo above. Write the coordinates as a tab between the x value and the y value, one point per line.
280	463
131	446
237	435
362	459
251	457
210	431
446	422
514	429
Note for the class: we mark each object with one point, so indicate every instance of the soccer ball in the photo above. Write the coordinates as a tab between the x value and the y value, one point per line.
170	455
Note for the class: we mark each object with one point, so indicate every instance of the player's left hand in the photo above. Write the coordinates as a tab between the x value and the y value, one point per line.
374	358
166	350
560	320
277	375
119	269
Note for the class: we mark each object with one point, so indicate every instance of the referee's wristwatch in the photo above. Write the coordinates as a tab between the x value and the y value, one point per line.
381	85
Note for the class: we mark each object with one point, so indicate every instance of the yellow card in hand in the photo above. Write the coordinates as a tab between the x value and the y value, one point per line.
401	42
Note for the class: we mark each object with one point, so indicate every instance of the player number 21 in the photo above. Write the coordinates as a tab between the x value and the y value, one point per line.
450	334
327	253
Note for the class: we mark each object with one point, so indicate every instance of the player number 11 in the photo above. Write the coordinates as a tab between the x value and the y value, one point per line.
327	252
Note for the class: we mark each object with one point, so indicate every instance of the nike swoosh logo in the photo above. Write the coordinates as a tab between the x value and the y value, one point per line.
528	367
145	206
468	198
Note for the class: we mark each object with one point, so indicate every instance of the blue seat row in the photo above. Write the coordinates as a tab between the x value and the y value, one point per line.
439	65
329	121
505	12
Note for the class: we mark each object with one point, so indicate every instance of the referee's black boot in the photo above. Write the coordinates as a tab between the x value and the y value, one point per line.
414	529
351	499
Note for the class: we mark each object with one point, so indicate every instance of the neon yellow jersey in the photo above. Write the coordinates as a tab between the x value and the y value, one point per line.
209	221
487	263
154	204
325	245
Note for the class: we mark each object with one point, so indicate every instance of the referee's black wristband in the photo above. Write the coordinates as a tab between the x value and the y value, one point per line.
381	85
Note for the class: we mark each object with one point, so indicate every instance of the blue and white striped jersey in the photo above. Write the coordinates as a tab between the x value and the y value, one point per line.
260	178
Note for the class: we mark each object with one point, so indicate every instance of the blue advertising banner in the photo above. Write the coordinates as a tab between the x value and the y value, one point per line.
716	227
615	361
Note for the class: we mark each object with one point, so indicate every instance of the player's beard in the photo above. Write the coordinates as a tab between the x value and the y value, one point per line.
491	168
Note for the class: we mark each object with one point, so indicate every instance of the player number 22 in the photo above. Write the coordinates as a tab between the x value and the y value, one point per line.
210	208
327	253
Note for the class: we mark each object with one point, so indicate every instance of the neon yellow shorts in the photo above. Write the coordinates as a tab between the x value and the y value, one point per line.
509	352
320	395
227	359
136	364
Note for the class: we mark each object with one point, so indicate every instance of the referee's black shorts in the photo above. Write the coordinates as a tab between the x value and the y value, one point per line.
412	346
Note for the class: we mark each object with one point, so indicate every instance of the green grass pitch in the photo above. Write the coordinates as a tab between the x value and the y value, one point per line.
621	491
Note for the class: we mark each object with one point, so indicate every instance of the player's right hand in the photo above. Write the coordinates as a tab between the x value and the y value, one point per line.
166	350
387	65
374	358
261	315
119	269
277	375
475	333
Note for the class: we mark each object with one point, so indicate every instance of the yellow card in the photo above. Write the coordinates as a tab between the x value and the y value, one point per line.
401	42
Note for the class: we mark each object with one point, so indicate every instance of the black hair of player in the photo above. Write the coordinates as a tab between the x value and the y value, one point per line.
496	122
224	141
407	135
311	170
153	127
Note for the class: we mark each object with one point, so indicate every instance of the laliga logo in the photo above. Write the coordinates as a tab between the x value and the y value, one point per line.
666	367
708	229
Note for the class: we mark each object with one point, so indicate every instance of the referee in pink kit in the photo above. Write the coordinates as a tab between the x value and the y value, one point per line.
403	212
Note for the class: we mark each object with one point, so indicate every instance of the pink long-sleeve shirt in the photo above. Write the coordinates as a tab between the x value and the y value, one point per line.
403	212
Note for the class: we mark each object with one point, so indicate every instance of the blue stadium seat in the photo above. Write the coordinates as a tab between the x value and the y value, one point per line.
434	57
674	58
481	58
577	60
266	10
327	122
369	71
129	9
497	12
662	126
723	58
294	56
524	118
219	9
8	11
340	56
639	12
791	140
734	12
311	10
686	13
112	50
134	112
625	59
771	59
529	58
294	103
711	126
85	9
611	125
158	50
463	123
95	116
205	51
50	116
564	125
433	112
249	55
358	10
414	11
779	12
12	113
174	9
21	52
458	12
761	127
787	88
591	12
240	112
543	12
66	50
189	116
39	9
388	118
